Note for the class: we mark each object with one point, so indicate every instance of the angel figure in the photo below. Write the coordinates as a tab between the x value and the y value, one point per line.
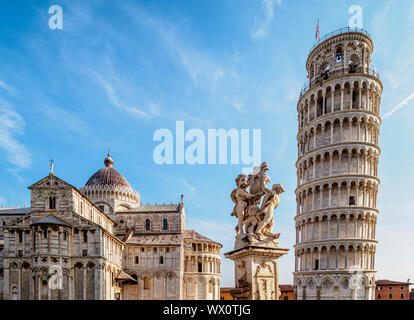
242	200
258	182
270	202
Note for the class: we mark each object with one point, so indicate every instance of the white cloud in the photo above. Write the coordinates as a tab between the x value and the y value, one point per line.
12	124
6	87
115	101
261	26
190	187
399	106
205	71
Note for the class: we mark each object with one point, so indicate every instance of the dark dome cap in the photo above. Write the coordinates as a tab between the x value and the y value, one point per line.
108	176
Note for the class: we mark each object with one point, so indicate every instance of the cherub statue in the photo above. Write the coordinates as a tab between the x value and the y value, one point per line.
258	182
242	200
260	221
270	202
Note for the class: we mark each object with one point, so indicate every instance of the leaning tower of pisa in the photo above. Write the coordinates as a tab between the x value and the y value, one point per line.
337	170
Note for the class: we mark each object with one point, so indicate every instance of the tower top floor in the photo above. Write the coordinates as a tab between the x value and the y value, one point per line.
348	39
341	53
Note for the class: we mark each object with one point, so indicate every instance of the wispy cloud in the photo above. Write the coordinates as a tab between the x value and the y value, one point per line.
189	186
261	25
204	70
12	124
115	101
399	106
6	87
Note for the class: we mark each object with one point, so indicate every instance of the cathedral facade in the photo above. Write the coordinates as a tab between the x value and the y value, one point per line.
100	243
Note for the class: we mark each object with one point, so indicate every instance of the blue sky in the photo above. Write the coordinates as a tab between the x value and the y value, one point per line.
120	70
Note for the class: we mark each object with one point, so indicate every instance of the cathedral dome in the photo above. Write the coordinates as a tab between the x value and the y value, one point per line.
108	176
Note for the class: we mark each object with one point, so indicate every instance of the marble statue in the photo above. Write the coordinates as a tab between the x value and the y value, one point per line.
242	200
256	248
255	223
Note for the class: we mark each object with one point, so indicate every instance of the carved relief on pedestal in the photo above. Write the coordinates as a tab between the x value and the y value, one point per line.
242	281
265	282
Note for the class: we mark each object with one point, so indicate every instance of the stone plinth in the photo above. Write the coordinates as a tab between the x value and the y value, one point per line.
256	272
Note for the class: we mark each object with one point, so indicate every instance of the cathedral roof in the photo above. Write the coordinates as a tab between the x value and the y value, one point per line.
13	211
157	239
155	208
192	234
108	176
51	219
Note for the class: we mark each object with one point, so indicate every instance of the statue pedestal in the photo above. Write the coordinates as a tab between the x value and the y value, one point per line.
256	272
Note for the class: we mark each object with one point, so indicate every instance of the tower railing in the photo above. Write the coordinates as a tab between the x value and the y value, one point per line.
338	32
339	72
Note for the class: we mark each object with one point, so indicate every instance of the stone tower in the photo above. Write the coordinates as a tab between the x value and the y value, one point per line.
337	170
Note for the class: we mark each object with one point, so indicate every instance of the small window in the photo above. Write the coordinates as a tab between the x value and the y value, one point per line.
339	55
402	288
351	201
168	249
402	295
316	264
45	232
142	249
390	295
200	267
64	236
146	283
84	253
161	260
379	296
136	260
85	235
165	224
20	253
390	288
102	208
52	203
147	224
155	249
20	236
